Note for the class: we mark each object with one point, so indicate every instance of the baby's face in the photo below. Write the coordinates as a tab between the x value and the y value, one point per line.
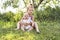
26	16
30	9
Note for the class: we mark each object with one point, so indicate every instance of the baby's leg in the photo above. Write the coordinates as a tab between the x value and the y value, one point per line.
34	24
18	25
30	28
22	28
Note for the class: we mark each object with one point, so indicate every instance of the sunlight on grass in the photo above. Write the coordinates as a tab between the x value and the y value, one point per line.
12	36
7	25
8	37
49	31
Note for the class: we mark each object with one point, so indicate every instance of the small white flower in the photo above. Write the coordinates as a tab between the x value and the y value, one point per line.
52	5
47	4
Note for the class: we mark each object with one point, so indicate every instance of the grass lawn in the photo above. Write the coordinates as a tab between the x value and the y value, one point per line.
50	30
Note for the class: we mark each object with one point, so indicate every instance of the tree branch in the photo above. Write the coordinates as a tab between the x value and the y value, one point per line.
36	6
24	3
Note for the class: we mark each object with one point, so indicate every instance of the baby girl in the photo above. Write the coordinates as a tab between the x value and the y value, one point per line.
26	23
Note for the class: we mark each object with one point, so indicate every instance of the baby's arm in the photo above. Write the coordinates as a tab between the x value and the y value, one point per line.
33	18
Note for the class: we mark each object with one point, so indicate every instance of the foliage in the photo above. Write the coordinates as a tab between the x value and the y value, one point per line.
9	16
18	16
48	14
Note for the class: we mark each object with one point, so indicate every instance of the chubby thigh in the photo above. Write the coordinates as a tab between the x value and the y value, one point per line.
26	27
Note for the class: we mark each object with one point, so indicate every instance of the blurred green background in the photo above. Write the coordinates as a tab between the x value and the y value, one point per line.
46	13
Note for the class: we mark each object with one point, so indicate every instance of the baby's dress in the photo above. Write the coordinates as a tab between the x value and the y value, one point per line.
27	21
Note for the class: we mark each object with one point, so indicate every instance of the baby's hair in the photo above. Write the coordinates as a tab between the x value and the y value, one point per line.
28	6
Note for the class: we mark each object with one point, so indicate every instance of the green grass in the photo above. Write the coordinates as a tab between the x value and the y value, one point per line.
50	30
